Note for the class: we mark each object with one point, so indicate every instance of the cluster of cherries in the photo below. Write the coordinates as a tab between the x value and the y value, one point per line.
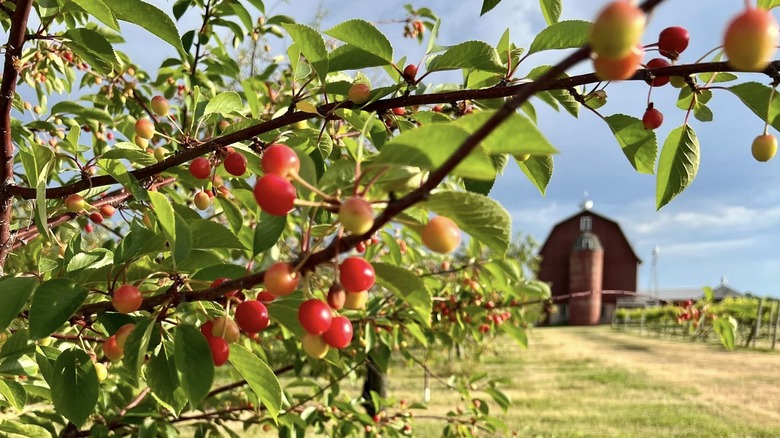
749	42
689	313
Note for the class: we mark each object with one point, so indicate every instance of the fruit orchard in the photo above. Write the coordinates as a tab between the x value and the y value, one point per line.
188	246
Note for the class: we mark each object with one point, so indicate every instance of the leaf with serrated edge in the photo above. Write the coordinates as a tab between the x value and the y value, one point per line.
260	377
638	144
678	164
564	35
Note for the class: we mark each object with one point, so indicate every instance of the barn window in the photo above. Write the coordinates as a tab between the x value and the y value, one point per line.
585	223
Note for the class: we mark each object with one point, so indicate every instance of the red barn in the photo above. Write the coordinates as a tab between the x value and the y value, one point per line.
588	252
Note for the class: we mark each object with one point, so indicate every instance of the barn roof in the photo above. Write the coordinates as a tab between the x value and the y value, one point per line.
591	213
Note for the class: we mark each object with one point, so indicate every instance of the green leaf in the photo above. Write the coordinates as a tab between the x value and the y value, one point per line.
134	155
708	294
413	148
150	18
74	386
209	234
364	36
93	47
516	135
407	287
768	4
517	333
312	46
14	393
225	104
99	10
552	10
475	55
53	303
194	362
488	5
170	223
135	347
726	328
268	230
638	144
184	238
15	293
162	378
95	259
756	97
481	217
285	312
13	429
260	377
678	164
567	34
539	170
84	113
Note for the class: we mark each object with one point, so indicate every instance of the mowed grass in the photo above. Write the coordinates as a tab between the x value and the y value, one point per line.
592	382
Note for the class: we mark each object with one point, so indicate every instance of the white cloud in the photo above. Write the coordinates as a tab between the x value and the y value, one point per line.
705	247
718	217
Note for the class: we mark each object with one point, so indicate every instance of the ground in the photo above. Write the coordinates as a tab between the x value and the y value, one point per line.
595	382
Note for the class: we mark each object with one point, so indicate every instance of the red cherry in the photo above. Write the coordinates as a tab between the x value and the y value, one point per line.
235	164
207	328
265	297
107	211
219	350
127	299
279	159
252	316
360	247
399	111
96	217
200	168
652	118
410	73
337	297
218	282
280	280
672	41
315	316
275	194
658	81
339	335
356	274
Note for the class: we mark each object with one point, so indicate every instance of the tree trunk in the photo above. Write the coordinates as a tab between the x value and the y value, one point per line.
376	381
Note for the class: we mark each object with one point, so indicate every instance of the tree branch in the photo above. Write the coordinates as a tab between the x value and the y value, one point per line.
13	54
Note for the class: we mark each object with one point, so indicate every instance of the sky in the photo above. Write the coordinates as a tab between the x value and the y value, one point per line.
724	224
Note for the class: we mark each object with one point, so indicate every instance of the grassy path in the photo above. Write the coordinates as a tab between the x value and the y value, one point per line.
594	382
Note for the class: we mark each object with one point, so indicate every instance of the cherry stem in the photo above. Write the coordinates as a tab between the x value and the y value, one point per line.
326	197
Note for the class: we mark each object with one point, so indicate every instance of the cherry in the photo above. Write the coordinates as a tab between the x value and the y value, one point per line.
652	118
235	164
281	160
359	93
336	296
112	350
399	111
751	39
280	280
225	328
75	203
107	211
200	168
252	316
206	329
160	106
314	346
356	215
356	274
218	282
127	299
410	73
355	300
96	217
315	316
101	371
265	297
617	29
159	153
122	333
608	69
140	142
672	41
220	350
657	81
441	235
275	194
340	333
764	147
144	128
202	201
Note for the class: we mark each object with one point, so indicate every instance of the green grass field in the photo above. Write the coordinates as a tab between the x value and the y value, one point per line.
592	382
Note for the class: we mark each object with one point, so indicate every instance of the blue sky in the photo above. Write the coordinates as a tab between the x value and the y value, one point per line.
723	224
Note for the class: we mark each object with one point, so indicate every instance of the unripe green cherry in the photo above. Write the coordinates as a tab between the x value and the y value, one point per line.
356	215
617	29
359	93
750	41
160	106
764	147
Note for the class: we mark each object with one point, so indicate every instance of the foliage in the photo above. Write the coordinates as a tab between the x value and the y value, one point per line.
197	247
